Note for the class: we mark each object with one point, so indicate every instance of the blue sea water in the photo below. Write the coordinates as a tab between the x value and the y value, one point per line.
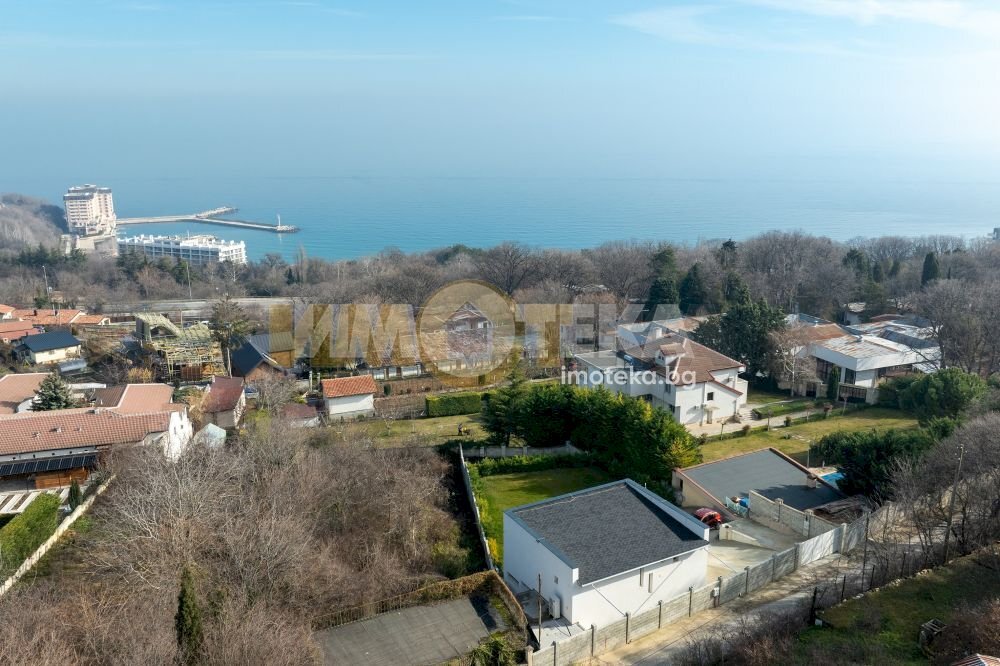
348	217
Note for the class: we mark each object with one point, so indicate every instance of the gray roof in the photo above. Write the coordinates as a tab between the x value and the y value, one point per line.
43	342
607	530
766	472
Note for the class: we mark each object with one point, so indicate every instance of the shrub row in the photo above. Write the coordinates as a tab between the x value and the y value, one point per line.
24	534
454	404
509	465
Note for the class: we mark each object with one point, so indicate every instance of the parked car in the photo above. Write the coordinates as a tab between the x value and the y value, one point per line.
710	517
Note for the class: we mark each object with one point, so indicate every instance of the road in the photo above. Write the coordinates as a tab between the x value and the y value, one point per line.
191	308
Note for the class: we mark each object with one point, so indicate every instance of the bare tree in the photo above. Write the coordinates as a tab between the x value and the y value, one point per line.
508	266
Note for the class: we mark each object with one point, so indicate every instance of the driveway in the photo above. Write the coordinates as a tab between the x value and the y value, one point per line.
412	636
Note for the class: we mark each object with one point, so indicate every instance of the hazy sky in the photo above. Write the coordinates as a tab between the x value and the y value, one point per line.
713	88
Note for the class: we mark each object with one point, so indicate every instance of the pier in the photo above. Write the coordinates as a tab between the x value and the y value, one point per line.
212	217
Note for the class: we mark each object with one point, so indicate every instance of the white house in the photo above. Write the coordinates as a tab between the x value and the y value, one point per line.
225	403
46	348
603	552
349	397
865	361
696	384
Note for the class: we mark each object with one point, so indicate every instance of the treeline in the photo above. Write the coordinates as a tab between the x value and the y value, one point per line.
627	437
787	270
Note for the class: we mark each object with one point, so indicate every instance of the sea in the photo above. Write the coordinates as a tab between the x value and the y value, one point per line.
350	217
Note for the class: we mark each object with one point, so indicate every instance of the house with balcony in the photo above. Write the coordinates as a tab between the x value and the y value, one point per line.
862	362
696	384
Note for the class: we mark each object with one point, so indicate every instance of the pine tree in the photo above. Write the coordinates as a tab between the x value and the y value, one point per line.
503	411
75	496
53	393
188	620
727	254
663	292
693	291
932	271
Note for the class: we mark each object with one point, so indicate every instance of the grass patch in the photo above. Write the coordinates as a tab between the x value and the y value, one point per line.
409	432
763	396
865	419
782	408
495	494
885	624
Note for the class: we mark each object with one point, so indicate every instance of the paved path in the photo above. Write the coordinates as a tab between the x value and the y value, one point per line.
776	422
792	591
413	636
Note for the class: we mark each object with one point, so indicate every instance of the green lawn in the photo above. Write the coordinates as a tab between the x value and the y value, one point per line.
500	492
886	623
760	397
795	447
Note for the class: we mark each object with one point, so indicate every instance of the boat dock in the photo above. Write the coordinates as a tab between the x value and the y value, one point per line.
212	217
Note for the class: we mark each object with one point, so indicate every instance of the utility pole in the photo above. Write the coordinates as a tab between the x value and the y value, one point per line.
539	610
45	275
951	501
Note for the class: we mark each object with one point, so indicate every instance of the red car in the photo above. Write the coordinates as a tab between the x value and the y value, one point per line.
710	517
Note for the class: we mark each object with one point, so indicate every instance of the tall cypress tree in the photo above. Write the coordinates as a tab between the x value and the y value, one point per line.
503	411
932	271
188	620
833	384
53	393
693	291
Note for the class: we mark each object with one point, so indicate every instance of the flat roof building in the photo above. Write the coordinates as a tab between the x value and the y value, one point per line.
90	210
200	249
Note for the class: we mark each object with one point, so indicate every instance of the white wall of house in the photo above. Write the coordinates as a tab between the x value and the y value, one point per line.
351	406
640	590
177	436
54	355
603	601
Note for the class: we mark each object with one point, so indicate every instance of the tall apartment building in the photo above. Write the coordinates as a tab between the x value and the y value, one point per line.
90	210
202	249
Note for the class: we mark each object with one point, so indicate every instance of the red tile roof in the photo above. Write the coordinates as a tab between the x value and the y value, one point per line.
692	360
341	388
15	330
6	309
137	398
295	410
223	394
71	428
15	389
47	317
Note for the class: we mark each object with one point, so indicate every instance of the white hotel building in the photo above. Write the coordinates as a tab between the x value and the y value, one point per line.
201	249
90	210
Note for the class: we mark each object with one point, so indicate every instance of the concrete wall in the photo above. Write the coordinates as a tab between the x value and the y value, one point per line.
525	558
350	406
779	516
637	591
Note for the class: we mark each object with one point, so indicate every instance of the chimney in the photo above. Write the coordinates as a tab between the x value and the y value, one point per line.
812	481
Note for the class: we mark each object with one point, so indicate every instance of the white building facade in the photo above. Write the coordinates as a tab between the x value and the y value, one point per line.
694	383
603	552
90	210
201	249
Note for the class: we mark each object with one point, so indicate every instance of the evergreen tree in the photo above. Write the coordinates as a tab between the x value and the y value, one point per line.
230	327
735	289
53	393
75	496
894	269
693	292
663	292
932	271
744	333
878	275
503	412
187	621
856	260
726	255
833	384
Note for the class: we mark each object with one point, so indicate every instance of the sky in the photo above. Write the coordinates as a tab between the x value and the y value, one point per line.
487	88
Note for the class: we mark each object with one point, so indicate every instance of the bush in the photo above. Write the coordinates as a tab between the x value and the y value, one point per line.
24	534
387	390
745	430
944	393
788	421
889	392
454	404
509	465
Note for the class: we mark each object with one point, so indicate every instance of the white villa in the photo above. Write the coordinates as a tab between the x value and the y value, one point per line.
603	552
694	383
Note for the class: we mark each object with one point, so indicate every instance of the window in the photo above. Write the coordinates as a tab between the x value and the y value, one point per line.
711	395
850	376
555	579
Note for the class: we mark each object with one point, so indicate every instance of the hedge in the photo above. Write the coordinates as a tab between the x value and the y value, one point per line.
24	534
454	404
511	464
